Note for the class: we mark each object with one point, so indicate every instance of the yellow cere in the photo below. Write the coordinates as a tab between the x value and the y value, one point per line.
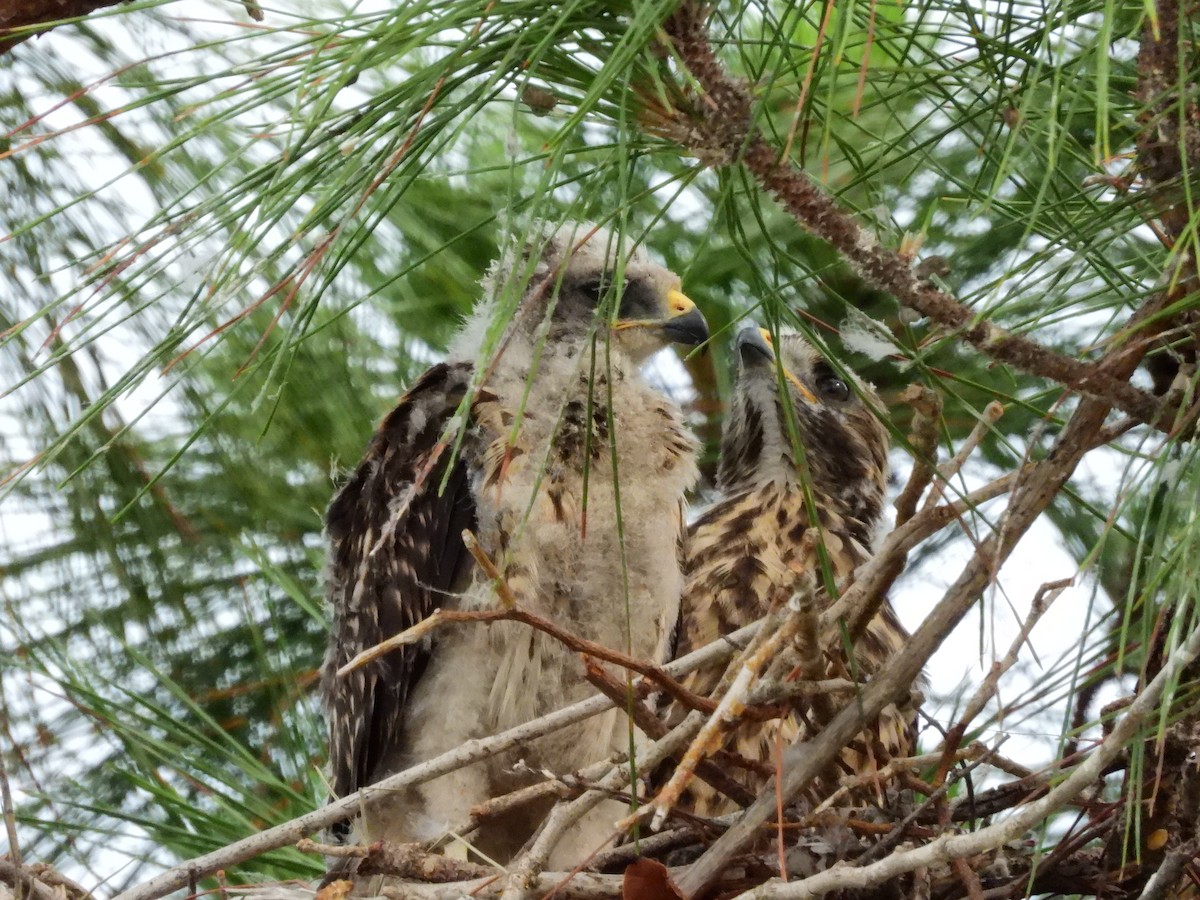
679	303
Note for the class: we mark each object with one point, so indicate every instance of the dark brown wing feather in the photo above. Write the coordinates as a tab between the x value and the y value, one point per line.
396	552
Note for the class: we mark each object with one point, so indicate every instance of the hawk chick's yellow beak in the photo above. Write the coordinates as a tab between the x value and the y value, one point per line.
681	323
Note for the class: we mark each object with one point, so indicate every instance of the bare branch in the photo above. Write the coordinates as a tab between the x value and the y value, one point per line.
655	728
305	845
513	613
1045	596
991	415
872	580
6	807
498	806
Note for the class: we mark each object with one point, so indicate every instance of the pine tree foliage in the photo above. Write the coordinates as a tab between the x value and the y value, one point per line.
230	236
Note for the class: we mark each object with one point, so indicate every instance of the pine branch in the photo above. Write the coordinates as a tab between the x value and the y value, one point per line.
722	131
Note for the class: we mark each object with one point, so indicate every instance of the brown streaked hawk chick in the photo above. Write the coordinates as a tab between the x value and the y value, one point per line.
559	423
793	419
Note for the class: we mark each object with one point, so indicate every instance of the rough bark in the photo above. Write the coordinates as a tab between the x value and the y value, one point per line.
23	19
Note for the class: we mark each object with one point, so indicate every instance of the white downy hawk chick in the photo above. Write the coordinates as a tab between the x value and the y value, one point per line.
748	553
557	400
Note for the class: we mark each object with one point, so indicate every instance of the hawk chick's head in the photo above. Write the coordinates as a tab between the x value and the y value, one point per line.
795	397
581	274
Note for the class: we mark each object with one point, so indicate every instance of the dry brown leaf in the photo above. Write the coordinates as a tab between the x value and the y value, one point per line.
648	879
335	890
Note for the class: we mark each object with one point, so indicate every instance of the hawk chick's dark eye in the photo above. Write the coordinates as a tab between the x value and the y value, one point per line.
595	289
830	386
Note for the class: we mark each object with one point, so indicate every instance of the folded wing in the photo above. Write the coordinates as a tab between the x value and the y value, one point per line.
396	554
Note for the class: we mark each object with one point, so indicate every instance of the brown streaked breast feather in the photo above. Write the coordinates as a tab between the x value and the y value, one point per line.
747	556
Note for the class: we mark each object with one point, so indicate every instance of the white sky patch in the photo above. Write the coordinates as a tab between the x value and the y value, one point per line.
666	372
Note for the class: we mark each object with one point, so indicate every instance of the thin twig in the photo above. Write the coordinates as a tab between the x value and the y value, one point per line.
968	878
350	851
656	728
647	845
901	829
505	803
780	846
514	613
10	818
503	591
991	415
872	580
893	767
1045	596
